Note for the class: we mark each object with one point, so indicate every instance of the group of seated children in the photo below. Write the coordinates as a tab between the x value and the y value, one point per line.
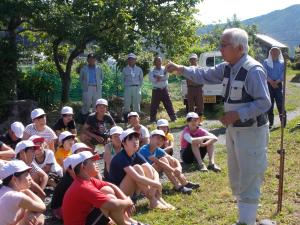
32	158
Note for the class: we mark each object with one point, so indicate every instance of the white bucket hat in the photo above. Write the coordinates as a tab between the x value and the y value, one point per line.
192	115
127	132
115	130
101	101
18	128
12	167
63	135
37	112
162	123
67	110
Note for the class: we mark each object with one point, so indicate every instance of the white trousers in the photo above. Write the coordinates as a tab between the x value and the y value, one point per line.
247	160
132	96
90	97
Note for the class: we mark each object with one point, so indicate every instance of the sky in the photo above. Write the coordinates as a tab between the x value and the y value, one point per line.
211	11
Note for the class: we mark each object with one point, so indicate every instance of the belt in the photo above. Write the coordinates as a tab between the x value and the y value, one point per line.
157	88
134	85
261	120
194	86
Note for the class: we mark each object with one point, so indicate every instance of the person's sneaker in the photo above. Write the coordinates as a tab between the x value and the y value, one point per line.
184	190
266	222
202	168
214	167
192	185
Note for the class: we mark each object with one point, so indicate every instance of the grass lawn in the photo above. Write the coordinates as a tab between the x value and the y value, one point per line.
213	203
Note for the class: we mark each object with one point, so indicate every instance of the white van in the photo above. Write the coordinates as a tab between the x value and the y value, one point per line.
212	93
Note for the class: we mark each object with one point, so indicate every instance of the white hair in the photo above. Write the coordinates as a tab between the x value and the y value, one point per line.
238	37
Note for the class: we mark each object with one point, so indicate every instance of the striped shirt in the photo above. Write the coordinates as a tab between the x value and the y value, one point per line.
34	168
47	133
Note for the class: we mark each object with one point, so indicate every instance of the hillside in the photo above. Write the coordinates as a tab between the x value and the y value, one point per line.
283	25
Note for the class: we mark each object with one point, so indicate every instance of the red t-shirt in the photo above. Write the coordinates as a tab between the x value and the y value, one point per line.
81	197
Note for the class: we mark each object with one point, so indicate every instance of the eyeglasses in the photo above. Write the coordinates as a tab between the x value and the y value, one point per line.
224	45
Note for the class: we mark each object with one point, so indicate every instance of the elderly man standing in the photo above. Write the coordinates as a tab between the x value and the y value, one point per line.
194	91
91	78
246	102
133	81
159	79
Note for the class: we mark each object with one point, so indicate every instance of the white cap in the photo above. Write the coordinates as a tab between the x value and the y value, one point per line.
36	138
37	112
101	101
68	161
13	167
192	115
66	110
115	130
158	132
162	123
131	55
24	144
18	128
127	132
64	135
82	156
193	56
80	145
132	114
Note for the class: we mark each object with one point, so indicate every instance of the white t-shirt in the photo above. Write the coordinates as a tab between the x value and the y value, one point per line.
47	133
144	132
9	205
50	160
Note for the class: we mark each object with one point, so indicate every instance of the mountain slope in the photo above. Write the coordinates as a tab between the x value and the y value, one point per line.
283	25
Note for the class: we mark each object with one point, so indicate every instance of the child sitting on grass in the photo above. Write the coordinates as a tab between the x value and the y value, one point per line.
196	142
66	140
163	162
168	144
130	171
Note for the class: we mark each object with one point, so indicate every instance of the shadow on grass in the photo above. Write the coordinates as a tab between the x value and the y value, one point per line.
297	127
188	168
213	111
296	78
218	131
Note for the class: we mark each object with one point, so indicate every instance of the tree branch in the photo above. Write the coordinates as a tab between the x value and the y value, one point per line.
55	46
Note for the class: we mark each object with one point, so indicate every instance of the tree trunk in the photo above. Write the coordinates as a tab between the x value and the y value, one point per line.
12	63
65	87
65	76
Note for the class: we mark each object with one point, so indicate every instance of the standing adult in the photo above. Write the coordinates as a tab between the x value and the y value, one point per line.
274	66
246	102
159	79
133	81
91	78
194	91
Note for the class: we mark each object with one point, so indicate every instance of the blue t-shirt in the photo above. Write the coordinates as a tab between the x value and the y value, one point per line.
145	151
92	75
121	161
